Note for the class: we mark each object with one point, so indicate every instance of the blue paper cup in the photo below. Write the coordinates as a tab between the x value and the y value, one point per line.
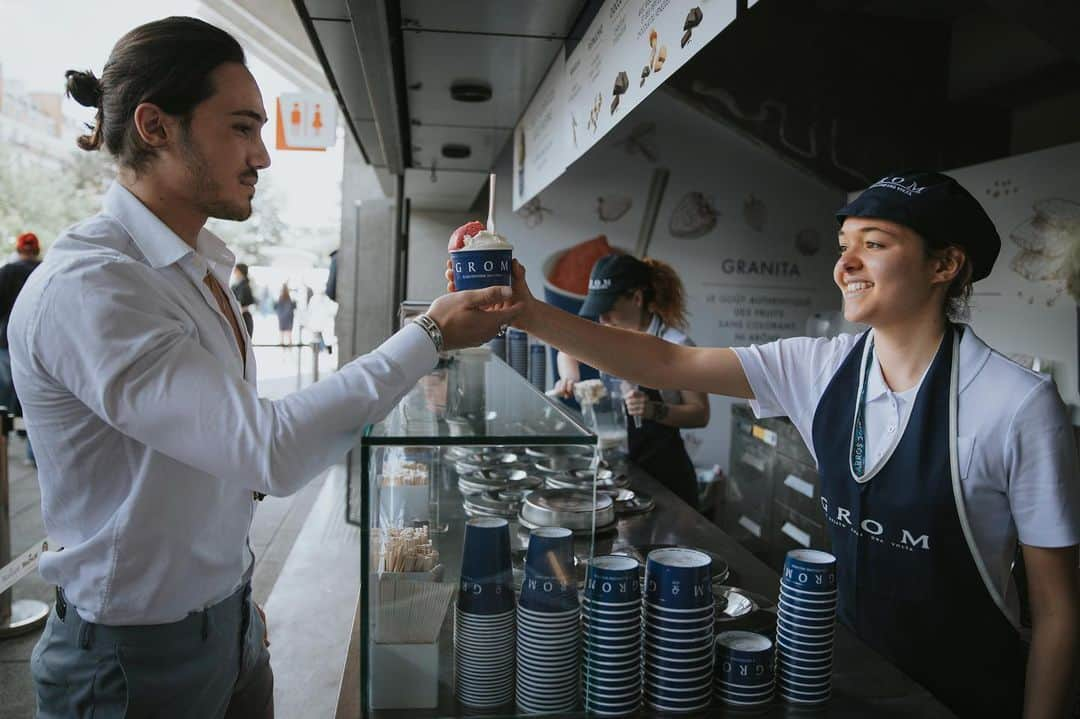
794	657
763	692
681	629
815	644
610	611
613	580
601	676
660	651
744	659
804	629
677	707
809	611
808	666
613	636
631	618
550	583
612	660
804	675
808	621
805	686
606	680
486	572
477	269
679	579
810	570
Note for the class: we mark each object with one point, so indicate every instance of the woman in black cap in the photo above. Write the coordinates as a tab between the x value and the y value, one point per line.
647	296
941	462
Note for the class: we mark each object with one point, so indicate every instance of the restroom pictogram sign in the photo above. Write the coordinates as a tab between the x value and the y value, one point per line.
306	121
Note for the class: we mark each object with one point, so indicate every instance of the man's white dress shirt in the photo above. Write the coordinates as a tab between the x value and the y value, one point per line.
149	436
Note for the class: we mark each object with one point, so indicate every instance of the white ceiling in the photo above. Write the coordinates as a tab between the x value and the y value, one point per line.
553	18
506	44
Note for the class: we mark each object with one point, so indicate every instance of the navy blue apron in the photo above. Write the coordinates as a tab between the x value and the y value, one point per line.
908	584
660	451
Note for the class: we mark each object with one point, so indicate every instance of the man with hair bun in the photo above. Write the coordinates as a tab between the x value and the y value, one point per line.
138	385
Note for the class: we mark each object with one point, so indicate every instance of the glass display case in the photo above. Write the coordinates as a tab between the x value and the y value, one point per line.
471	457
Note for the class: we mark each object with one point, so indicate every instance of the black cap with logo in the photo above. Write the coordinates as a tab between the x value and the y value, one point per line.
938	208
613	276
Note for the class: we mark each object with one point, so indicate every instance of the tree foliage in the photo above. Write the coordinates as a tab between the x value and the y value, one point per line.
45	197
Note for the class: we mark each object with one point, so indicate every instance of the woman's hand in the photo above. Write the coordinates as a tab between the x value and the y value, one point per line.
564	388
471	317
521	295
637	404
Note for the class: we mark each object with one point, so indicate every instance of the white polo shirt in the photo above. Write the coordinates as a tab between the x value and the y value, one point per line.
148	435
1017	455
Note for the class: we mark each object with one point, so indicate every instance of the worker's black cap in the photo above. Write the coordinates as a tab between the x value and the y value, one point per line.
613	276
938	208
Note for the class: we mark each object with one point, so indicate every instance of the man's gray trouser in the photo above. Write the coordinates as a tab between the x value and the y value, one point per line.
212	664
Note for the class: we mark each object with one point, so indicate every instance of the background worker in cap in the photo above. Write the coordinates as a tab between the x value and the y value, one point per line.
13	276
941	461
646	296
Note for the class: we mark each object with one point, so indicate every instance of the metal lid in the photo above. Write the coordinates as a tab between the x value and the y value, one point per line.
477	463
637	503
563	465
732	603
720	568
487	480
559	451
571	508
493	504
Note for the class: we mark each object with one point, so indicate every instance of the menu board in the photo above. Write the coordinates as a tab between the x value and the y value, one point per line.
539	153
629	49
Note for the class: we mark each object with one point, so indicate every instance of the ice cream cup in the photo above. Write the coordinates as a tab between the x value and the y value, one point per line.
480	268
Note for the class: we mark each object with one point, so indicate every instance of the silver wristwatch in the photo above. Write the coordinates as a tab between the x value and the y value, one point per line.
433	330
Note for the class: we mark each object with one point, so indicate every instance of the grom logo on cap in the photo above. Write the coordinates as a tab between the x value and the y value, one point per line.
600	284
900	185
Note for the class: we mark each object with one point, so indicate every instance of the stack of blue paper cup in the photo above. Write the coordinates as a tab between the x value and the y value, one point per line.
805	621
611	648
679	615
498	346
548	627
518	351
744	668
538	366
484	621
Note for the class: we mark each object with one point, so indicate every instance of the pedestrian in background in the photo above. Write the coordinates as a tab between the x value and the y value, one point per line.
13	276
285	307
241	289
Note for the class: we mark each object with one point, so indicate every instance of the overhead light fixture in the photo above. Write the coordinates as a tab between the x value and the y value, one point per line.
469	91
456	151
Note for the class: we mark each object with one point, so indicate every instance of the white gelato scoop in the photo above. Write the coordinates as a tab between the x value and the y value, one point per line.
485	240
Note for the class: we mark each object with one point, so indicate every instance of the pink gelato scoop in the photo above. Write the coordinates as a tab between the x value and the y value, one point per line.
469	229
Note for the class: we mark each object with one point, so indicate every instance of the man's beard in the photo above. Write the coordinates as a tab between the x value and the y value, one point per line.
206	190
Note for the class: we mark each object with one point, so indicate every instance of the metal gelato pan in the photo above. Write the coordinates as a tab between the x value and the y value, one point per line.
570	508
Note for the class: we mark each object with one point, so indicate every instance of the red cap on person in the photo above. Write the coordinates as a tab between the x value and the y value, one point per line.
27	242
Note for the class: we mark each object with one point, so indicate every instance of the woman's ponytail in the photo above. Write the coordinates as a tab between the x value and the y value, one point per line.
666	295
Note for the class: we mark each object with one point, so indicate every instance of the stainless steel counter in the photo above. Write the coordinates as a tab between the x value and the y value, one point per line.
864	684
